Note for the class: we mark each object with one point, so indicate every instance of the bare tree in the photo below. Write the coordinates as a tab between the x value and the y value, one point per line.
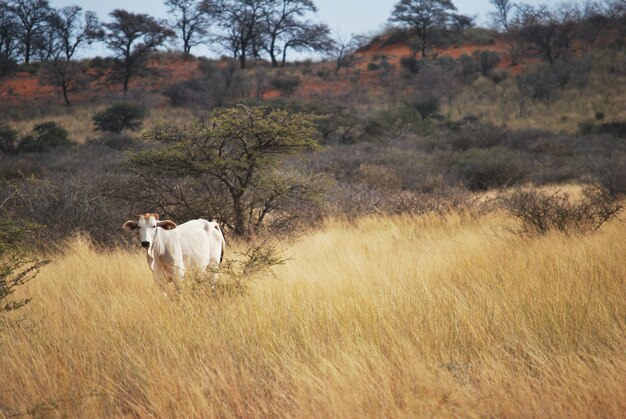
424	17
550	31
593	21
285	25
9	39
75	28
241	21
342	50
131	37
500	17
192	21
71	29
33	17
308	37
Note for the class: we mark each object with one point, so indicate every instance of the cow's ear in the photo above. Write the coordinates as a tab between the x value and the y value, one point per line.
130	225
167	224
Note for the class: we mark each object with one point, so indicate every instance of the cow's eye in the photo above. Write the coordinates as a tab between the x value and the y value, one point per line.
154	227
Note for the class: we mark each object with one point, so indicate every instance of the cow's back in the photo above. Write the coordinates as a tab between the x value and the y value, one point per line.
200	242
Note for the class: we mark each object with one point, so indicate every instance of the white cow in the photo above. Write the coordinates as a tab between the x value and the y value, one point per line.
174	250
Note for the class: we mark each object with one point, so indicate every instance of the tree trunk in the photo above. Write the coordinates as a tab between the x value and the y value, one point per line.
126	80
240	219
242	60
272	53
284	56
27	52
64	87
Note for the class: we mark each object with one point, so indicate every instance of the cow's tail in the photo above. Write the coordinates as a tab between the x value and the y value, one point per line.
217	227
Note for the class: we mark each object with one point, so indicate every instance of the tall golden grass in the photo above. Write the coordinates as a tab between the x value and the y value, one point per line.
382	317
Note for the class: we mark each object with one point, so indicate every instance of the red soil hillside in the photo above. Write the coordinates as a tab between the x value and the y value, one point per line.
24	88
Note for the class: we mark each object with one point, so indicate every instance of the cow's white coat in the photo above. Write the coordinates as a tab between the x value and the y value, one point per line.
173	250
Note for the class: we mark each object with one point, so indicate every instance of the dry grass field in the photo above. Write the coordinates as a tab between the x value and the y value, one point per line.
382	317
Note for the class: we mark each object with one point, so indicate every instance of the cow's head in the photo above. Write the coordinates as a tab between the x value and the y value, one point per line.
148	226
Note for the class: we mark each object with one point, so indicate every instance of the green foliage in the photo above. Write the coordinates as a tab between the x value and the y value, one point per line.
45	136
236	155
119	117
8	138
336	123
481	169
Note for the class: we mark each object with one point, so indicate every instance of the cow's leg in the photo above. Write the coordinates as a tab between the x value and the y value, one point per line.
213	267
161	279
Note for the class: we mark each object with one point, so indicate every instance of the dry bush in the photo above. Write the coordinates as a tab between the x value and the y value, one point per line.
434	203
68	191
481	169
541	211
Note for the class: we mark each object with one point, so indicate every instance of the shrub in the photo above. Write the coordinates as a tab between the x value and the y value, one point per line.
481	169
16	268
285	85
478	136
217	86
45	136
426	107
488	60
114	141
467	68
610	172
8	138
119	117
586	127
7	65
410	64
540	84
499	76
618	129
405	118
541	212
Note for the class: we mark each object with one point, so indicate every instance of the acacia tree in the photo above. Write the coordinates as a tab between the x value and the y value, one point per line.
309	37
342	50
72	28
33	19
550	31
424	17
132	37
229	166
285	28
241	21
192	21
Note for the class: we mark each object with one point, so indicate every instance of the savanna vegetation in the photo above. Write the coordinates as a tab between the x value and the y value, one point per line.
424	222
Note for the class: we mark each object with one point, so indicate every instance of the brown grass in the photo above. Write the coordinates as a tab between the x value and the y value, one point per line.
384	317
79	123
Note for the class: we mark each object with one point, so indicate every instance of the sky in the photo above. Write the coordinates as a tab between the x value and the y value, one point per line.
342	16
